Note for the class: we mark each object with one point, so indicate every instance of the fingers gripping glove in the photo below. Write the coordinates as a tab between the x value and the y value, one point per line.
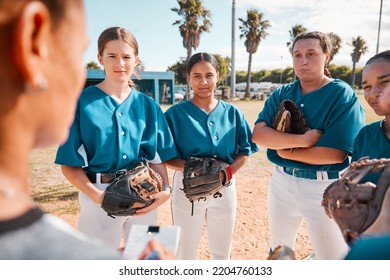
289	118
204	177
131	191
355	206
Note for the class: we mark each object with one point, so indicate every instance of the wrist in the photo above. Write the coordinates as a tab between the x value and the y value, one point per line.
228	175
167	187
229	172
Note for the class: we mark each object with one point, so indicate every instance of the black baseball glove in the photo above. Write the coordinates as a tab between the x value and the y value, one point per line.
355	206
131	191
289	118
204	177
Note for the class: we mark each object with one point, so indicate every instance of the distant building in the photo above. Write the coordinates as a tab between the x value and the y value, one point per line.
157	85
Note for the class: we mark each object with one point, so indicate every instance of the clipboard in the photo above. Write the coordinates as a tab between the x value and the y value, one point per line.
140	235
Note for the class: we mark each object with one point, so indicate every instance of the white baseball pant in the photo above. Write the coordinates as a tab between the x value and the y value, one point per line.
218	214
291	201
93	221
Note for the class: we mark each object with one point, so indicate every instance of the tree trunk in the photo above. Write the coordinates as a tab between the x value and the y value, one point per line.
189	53
248	78
353	74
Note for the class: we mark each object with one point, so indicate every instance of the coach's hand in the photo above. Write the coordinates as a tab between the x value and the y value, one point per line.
156	251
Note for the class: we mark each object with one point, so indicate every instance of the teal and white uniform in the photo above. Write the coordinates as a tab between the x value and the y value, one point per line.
296	188
107	136
373	143
223	133
375	247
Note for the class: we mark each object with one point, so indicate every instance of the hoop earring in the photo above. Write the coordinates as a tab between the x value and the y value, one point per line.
39	86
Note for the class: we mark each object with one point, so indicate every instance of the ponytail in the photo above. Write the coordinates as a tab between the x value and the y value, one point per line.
327	72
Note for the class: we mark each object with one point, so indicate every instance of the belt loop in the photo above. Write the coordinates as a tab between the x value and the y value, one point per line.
98	178
323	175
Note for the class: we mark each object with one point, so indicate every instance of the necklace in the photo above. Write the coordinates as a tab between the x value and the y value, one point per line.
10	193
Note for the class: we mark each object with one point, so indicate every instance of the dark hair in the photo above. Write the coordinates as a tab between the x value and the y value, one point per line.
198	57
385	55
57	8
118	33
10	11
325	43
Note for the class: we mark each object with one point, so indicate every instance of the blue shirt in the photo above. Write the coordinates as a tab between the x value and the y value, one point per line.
334	109
370	248
107	136
372	142
223	133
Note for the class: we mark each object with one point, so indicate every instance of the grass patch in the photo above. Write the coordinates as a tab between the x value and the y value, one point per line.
59	199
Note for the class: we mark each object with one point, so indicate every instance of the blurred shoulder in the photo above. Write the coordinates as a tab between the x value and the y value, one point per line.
343	85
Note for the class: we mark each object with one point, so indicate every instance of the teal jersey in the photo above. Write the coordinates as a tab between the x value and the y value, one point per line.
373	143
223	133
334	109
107	136
370	248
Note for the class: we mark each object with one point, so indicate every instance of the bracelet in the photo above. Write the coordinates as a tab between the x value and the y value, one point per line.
167	187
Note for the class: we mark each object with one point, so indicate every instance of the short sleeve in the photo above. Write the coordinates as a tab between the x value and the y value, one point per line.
72	152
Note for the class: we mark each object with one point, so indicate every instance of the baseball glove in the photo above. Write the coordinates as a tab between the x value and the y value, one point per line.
289	118
131	191
355	206
202	177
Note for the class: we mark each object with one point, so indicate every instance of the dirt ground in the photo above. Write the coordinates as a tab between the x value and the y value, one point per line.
250	242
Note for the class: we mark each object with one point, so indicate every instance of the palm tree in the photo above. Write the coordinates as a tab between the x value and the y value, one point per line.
295	30
224	66
359	48
93	65
253	29
336	45
179	68
195	19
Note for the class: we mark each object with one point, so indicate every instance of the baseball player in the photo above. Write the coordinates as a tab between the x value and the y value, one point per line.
207	127
305	164
115	128
41	111
373	140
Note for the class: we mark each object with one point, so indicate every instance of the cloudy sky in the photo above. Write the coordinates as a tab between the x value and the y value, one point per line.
161	44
